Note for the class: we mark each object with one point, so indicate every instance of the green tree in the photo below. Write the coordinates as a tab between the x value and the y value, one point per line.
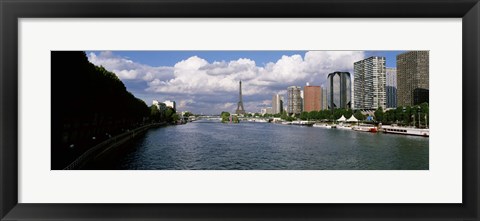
187	114
358	114
424	113
304	116
169	114
86	109
235	119
337	113
154	113
379	114
225	116
407	115
175	118
347	113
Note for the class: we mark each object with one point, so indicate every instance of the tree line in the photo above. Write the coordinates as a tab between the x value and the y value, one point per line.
401	115
90	104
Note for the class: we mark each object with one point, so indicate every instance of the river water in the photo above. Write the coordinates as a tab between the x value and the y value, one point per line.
212	145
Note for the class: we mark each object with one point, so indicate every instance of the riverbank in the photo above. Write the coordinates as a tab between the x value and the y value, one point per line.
104	148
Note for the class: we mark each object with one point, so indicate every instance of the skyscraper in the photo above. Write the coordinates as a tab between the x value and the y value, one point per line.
391	87
277	104
324	98
412	78
312	98
369	83
294	100
339	90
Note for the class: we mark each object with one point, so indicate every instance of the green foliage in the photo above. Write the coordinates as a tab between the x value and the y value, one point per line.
154	113
187	114
170	114
406	115
91	102
304	115
225	116
358	114
235	119
400	115
175	118
379	114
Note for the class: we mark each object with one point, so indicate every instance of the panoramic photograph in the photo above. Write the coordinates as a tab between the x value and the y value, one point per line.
240	110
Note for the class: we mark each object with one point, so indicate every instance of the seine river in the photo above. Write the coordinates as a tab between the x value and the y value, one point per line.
212	145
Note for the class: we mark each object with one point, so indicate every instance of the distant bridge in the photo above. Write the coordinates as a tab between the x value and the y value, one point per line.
205	117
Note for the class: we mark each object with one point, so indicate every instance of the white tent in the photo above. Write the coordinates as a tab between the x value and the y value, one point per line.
342	119
352	119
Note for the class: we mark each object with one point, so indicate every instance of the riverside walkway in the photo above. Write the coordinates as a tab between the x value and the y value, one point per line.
106	146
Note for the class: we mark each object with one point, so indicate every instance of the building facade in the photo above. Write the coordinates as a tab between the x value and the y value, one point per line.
171	104
339	90
277	104
267	110
160	106
324	98
369	83
412	78
295	104
312	100
391	87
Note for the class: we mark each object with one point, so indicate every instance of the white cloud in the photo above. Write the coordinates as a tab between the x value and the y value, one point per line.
127	69
185	104
196	78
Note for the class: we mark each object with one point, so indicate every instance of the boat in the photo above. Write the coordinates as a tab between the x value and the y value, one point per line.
424	132
286	123
302	123
323	125
365	128
343	127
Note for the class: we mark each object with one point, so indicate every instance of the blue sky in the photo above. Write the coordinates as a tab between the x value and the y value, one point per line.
207	81
170	58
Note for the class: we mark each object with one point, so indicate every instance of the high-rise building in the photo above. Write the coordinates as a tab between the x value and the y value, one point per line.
294	100
391	87
339	90
369	83
312	100
324	98
277	104
412	78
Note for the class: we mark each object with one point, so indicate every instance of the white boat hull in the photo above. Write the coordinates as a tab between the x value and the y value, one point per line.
344	128
371	129
323	126
406	131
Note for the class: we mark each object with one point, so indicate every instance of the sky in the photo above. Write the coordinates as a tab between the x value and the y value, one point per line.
206	82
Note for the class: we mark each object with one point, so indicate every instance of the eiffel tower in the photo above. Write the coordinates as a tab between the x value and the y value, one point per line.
240	109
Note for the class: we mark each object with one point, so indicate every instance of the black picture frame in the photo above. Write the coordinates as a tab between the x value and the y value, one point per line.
12	10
